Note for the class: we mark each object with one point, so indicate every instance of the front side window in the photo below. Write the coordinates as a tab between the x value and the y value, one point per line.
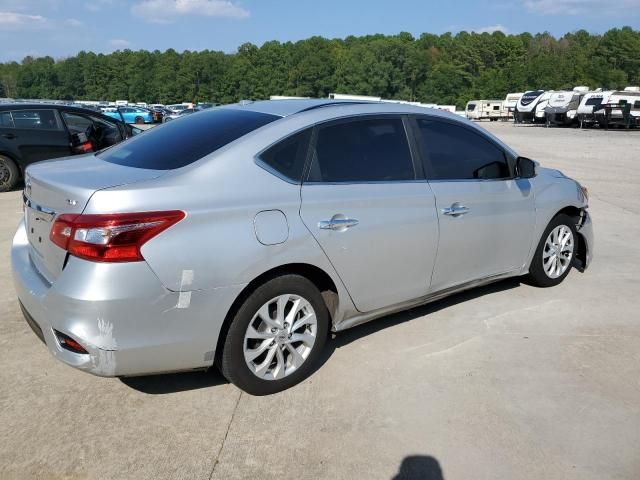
36	119
287	157
369	150
177	144
455	152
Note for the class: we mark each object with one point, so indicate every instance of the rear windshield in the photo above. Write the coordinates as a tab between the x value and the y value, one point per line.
185	140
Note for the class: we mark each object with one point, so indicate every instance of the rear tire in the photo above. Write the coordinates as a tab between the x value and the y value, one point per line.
139	120
289	344
9	174
552	260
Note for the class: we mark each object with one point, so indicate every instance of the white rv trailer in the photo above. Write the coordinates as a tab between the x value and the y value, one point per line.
526	107
539	116
562	107
510	102
492	110
346	96
122	103
287	97
591	101
621	109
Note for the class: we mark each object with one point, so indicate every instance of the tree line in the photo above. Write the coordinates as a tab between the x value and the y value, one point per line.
444	69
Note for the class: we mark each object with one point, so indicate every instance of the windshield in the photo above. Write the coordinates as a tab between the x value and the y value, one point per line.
177	144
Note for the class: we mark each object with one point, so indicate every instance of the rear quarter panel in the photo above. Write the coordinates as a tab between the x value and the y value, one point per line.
216	244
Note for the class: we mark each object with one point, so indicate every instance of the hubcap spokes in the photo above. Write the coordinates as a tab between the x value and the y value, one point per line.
280	337
558	251
4	173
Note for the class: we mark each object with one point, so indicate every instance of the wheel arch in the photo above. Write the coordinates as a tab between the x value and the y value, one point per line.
577	214
321	279
16	162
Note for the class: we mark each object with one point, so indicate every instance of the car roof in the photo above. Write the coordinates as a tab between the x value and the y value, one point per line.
285	108
40	106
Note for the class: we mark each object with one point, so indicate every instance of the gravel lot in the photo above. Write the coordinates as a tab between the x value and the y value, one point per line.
502	382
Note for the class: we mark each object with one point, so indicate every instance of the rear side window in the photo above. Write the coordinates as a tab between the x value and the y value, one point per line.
457	153
36	119
180	143
287	157
370	150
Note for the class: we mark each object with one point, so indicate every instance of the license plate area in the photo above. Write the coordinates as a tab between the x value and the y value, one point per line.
38	227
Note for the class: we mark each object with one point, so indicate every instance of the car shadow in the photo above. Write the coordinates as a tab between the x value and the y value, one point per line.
419	467
179	382
175	382
350	335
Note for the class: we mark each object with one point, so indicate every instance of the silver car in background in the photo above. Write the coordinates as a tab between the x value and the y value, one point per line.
242	235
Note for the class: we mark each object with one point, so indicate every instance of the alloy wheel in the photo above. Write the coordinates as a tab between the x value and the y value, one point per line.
558	251
5	174
280	337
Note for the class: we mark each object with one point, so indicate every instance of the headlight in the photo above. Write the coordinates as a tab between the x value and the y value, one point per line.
584	190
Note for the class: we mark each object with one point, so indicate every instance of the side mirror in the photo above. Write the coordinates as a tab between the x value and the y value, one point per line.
525	167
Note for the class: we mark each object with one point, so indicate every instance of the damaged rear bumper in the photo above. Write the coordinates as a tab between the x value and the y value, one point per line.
122	315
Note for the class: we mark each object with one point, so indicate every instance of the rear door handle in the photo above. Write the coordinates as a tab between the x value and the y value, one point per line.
337	224
456	210
9	136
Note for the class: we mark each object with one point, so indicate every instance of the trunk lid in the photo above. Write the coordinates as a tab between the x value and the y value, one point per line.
65	186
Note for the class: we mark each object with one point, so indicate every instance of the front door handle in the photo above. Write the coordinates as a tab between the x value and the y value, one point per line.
9	136
337	223
456	210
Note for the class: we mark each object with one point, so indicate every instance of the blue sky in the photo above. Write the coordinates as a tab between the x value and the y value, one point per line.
61	28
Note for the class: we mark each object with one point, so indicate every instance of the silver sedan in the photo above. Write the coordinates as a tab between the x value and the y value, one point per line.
242	235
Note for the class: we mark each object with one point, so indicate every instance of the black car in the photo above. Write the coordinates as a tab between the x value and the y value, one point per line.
33	132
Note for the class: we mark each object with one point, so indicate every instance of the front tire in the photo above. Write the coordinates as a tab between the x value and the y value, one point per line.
9	174
554	255
276	337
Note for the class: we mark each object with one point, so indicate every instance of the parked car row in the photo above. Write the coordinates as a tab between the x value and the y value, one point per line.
578	107
33	132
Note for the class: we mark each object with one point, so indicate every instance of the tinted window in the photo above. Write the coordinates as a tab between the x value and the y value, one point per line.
457	153
287	157
362	150
76	123
593	101
176	144
107	133
471	107
36	119
6	120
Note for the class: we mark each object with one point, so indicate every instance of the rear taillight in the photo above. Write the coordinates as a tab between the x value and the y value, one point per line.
113	237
